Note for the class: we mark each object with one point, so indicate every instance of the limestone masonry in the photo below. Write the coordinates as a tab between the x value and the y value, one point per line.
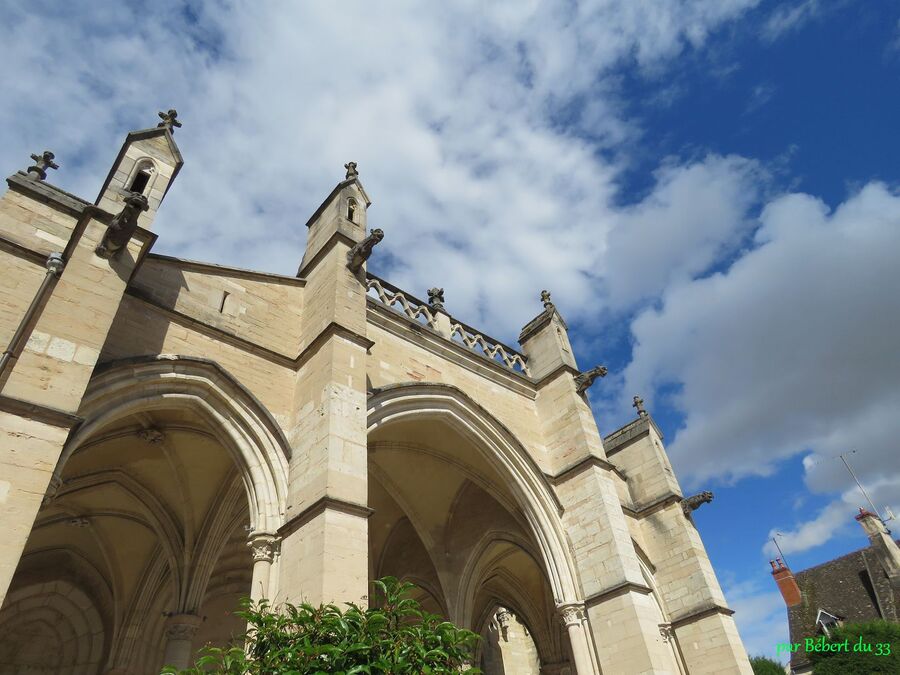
178	434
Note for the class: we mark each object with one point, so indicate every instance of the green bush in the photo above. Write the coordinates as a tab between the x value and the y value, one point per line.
763	665
857	661
392	636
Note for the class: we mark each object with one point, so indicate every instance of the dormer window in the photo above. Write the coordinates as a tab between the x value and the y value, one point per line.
142	177
351	210
826	621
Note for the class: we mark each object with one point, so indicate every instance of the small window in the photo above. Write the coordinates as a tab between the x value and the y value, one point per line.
141	178
826	620
351	210
225	295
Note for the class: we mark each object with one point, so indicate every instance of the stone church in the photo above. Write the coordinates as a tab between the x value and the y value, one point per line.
180	434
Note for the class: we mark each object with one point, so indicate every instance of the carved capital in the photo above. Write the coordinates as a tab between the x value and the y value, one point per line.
571	614
667	632
182	626
263	547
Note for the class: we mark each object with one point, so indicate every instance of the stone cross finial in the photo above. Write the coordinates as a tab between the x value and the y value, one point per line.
351	170
169	120
436	298
639	406
586	379
42	162
545	298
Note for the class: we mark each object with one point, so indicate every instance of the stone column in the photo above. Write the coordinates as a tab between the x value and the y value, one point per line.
180	630
572	616
263	547
324	541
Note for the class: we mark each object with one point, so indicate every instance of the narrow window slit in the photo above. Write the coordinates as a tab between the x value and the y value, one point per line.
222	304
140	181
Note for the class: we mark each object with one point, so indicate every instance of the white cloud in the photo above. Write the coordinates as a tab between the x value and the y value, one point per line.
833	519
479	130
792	349
695	215
462	119
761	617
759	97
787	18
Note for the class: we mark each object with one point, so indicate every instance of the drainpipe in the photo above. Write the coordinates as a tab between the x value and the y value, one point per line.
55	264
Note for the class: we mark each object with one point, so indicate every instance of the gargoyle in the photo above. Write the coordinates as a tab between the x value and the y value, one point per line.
122	227
357	255
584	380
694	502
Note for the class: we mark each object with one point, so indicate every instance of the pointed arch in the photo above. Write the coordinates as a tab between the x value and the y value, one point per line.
56	625
426	400
239	421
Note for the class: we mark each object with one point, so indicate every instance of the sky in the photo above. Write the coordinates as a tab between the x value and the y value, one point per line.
709	188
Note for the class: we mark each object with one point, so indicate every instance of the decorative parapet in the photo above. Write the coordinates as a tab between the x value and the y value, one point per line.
390	295
420	312
489	347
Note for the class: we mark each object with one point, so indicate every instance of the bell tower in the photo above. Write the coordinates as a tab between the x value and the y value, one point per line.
147	164
341	216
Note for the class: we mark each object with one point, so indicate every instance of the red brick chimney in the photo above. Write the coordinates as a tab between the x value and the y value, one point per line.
787	584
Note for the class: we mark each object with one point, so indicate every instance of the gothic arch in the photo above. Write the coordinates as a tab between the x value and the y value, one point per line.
53	626
423	400
241	423
477	566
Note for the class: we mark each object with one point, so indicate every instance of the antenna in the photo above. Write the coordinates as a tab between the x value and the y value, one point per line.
778	534
863	490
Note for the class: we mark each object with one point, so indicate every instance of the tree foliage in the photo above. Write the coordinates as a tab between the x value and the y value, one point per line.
882	636
763	665
393	636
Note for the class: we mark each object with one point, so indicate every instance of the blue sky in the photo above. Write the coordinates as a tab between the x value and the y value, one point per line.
709	188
